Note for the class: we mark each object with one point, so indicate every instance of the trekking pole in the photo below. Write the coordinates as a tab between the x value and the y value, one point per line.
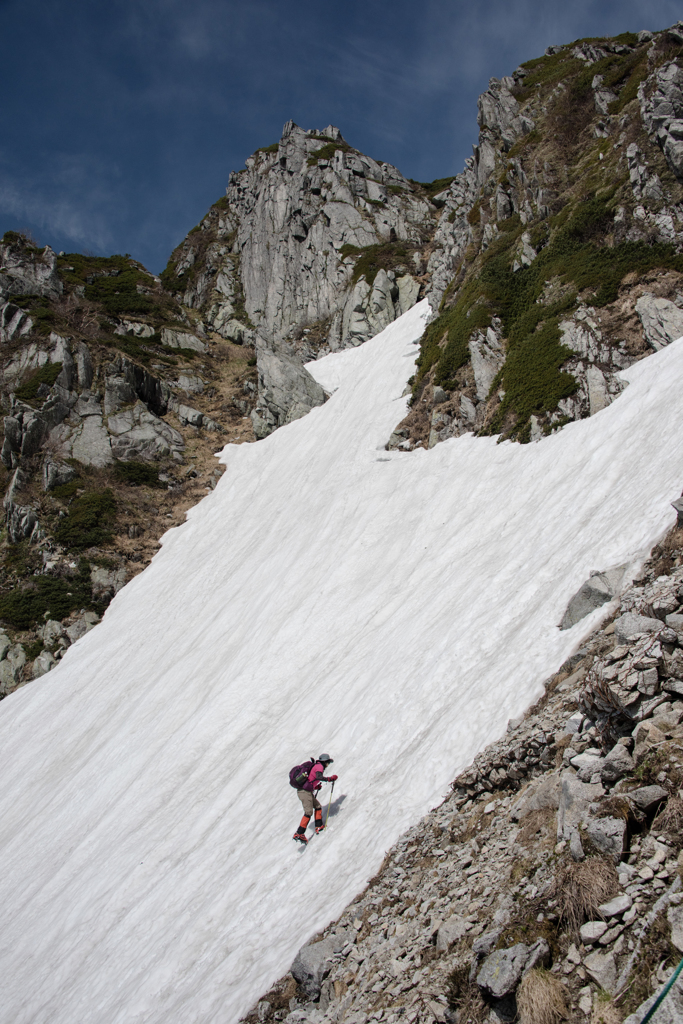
329	802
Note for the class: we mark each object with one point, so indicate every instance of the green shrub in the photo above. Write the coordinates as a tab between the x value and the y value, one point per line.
47	374
131	346
272	148
33	649
169	280
371	259
532	377
137	473
65	491
57	595
432	188
474	215
88	521
327	151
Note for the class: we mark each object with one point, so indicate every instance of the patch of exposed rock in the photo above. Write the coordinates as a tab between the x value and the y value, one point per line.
274	263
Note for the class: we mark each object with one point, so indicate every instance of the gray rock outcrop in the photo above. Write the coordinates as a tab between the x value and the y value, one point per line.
276	258
598	589
662	320
314	960
287	391
661	104
28	271
502	970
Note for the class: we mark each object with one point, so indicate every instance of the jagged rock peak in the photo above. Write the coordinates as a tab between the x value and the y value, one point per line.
313	248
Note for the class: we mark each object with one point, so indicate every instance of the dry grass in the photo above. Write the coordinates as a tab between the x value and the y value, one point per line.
465	997
657	950
606	1013
542	998
538	830
581	888
669	822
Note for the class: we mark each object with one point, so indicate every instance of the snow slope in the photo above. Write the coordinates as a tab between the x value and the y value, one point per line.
395	609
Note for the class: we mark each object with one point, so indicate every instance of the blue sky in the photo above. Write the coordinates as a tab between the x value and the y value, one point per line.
120	121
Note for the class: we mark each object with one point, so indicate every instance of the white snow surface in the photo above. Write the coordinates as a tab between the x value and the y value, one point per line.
395	609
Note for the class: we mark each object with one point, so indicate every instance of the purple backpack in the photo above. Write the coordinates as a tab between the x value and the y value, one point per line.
298	777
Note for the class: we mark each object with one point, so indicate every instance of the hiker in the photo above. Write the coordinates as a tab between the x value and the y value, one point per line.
307	779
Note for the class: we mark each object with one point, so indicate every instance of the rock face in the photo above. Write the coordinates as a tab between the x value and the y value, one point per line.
501	124
277	258
662	320
596	591
661	101
32	273
287	391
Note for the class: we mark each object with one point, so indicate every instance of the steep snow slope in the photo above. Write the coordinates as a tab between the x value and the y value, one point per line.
395	609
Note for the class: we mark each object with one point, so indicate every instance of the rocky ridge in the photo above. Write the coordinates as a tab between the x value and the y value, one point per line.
115	398
556	259
280	260
553	867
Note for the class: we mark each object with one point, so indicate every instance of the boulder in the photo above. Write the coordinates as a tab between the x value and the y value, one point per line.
602	969
587	765
648	682
7	680
451	930
287	391
107	581
592	931
485	943
51	632
608	836
78	629
312	962
675	918
662	320
182	339
43	663
631	624
138	434
673	686
310	966
16	658
647	797
616	907
598	589
617	763
502	970
57	473
576	846
575	799
542	793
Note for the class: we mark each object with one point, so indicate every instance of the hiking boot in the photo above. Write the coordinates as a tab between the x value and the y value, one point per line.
300	838
319	828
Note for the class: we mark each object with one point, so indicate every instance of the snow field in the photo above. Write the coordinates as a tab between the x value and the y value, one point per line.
395	609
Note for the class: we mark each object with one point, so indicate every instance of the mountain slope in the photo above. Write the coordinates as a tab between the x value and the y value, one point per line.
395	608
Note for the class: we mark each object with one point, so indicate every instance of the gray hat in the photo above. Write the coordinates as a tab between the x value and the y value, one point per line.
326	759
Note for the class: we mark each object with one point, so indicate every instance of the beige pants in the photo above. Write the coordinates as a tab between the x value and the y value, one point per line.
309	801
